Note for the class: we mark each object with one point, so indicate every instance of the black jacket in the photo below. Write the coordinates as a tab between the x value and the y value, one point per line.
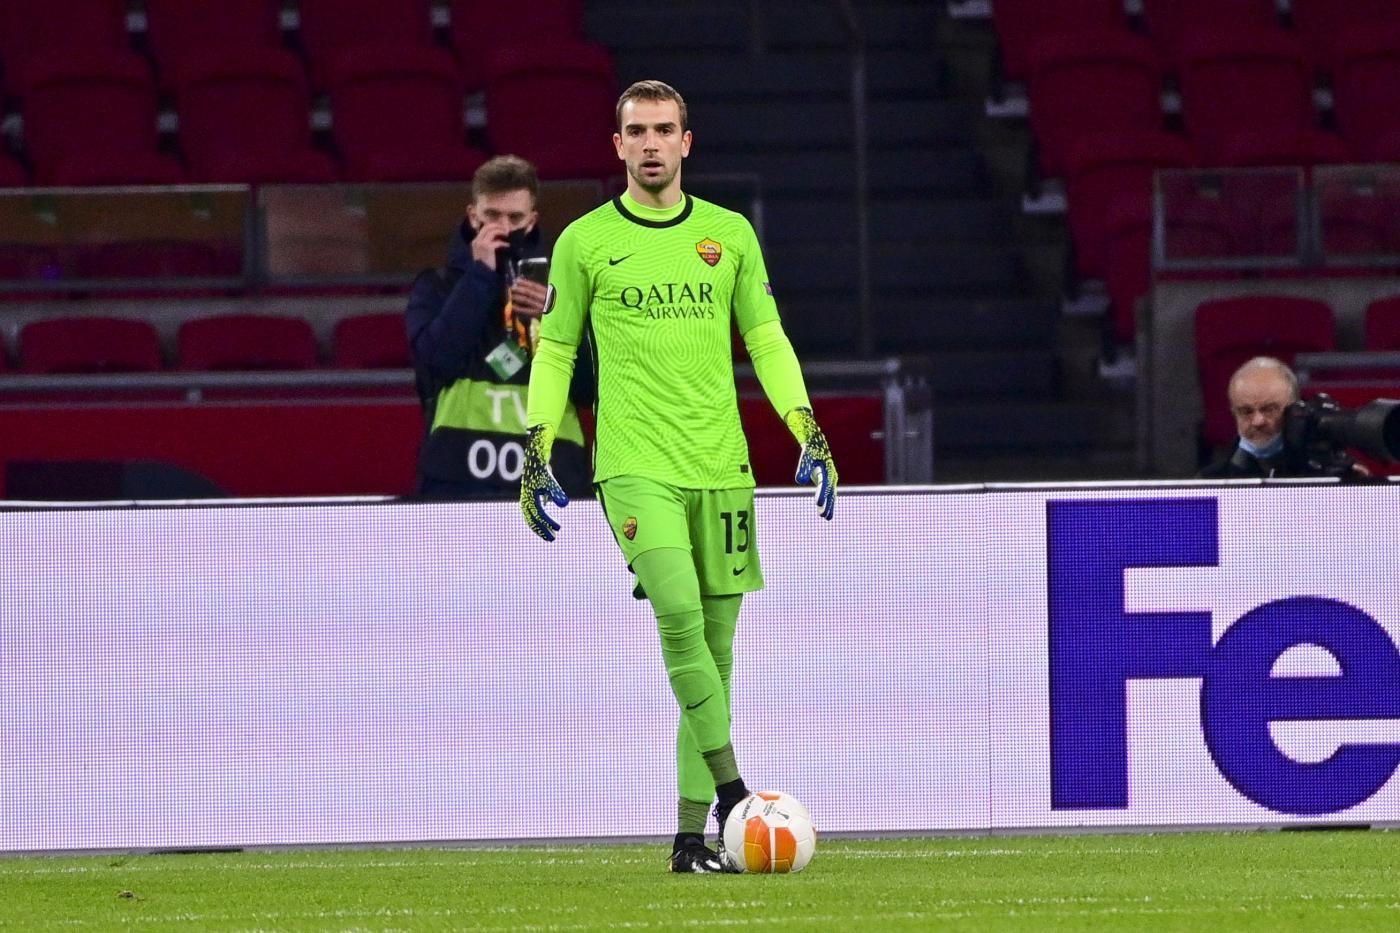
453	320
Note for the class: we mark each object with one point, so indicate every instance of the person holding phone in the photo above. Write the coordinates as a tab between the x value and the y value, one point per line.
469	329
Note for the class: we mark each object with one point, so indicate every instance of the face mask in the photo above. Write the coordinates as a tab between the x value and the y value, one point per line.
1271	449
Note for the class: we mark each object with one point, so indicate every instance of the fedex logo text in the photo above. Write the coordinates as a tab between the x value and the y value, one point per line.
1097	647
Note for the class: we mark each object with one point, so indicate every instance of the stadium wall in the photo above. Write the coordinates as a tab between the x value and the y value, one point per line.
957	659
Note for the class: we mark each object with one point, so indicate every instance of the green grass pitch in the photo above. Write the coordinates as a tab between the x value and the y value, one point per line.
1220	881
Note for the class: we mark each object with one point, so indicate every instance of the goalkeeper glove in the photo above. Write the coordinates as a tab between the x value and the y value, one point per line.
536	482
816	455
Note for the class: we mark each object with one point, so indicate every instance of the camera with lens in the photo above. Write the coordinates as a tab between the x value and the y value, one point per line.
1317	432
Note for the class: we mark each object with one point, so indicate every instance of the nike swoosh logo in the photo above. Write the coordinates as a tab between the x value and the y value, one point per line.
739	570
613	262
700	704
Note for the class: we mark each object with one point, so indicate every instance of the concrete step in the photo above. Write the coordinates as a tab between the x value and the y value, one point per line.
1029	426
753	123
827	322
919	171
800	218
915	270
716	75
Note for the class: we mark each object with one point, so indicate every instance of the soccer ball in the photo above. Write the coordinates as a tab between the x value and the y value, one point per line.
769	832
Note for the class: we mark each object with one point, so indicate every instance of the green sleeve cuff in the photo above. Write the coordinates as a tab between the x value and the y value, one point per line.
776	365
550	373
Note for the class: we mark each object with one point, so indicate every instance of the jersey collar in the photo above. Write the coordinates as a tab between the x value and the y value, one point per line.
653	217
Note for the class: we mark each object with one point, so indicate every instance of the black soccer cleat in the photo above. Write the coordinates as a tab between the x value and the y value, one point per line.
722	811
696	858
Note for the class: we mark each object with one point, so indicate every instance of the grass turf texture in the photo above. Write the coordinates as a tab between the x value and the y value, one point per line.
1226	881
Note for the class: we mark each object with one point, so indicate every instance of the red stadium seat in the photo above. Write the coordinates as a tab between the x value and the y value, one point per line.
397	116
371	341
34	31
1079	84
481	26
121	168
115	96
12	174
1322	22
1127	264
180	31
244	117
554	104
1020	23
335	30
1383	324
150	259
1104	169
1233	82
1173	23
27	261
1284	146
89	345
1230	331
1365	87
246	342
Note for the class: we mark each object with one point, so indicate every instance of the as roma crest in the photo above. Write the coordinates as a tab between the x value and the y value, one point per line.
629	528
710	251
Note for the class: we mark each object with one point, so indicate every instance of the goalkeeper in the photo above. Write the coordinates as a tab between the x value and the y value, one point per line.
656	276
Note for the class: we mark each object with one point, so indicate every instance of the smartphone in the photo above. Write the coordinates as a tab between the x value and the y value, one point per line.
536	269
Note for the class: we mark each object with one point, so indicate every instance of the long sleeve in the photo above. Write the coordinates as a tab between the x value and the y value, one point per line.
445	333
775	363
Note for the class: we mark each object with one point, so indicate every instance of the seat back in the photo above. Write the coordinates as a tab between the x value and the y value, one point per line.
246	342
479	27
184	31
554	104
371	341
1020	23
89	345
113	92
1383	324
1234	82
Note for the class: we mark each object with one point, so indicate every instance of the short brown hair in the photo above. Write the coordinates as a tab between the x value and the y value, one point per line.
653	91
505	173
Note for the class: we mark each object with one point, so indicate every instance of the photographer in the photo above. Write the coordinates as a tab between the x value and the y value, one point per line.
1263	396
469	329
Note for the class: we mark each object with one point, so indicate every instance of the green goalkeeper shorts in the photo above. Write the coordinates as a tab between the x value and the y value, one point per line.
716	526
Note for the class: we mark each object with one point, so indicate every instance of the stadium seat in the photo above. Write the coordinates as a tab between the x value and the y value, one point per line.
35	31
1284	146
120	168
150	259
1233	82
1321	22
89	345
1103	169
371	341
244	117
397	116
1230	331
28	261
1020	23
481	26
1127	263
1365	87
114	93
554	104
246	342
1383	324
1173	23
1080	84
180	31
333	31
12	174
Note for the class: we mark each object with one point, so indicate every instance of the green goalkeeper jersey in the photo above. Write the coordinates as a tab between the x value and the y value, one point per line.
660	291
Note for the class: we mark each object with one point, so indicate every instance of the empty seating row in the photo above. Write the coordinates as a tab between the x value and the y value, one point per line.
1172	26
179	32
1230	331
244	116
223	342
1234	86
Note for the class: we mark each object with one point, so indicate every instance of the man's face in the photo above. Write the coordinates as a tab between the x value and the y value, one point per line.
516	209
1258	399
651	142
